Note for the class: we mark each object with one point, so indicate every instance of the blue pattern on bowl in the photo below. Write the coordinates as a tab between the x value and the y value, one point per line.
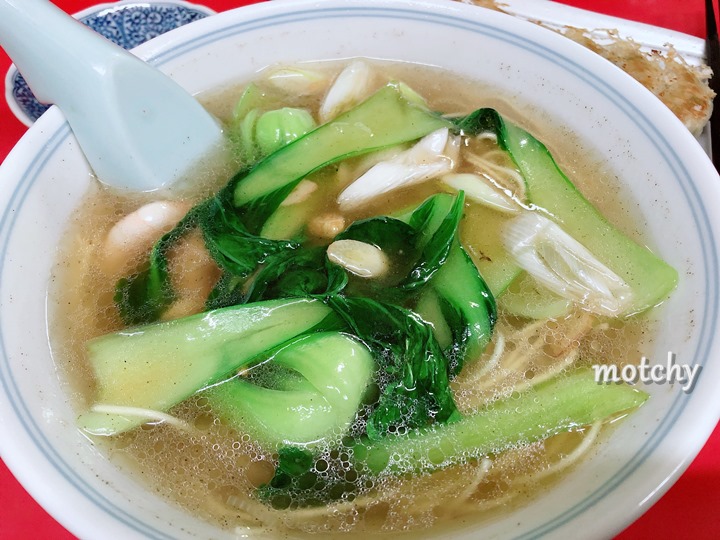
127	25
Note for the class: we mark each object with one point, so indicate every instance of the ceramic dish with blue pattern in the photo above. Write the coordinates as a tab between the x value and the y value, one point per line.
127	23
672	186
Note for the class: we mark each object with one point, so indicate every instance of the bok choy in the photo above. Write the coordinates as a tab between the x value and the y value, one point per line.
233	220
559	405
562	404
306	393
157	366
649	278
345	346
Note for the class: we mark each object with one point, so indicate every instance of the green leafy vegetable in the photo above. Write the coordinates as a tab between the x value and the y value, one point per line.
300	273
467	305
252	98
548	188
455	299
415	388
413	367
311	402
236	249
298	481
245	115
315	338
561	404
435	237
394	237
143	297
275	129
228	291
397	240
157	366
232	221
385	119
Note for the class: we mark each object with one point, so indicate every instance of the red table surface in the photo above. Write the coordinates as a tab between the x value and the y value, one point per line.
688	510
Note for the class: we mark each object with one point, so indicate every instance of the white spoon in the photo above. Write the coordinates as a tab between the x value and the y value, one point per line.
138	129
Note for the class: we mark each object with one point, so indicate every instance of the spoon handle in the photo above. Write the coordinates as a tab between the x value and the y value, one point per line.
49	47
138	129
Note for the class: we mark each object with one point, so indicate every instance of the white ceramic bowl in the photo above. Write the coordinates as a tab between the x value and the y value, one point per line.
667	172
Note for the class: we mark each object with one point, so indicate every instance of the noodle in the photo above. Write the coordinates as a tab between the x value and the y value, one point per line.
502	176
146	414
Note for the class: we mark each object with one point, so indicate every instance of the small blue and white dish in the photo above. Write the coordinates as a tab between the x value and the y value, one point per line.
128	23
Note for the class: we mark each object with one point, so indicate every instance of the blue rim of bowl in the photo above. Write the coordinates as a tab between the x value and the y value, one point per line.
113	21
708	318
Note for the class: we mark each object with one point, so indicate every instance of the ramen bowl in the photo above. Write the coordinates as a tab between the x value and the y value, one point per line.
670	179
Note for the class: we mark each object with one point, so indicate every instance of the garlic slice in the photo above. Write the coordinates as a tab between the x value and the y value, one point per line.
350	87
359	258
298	82
434	155
563	265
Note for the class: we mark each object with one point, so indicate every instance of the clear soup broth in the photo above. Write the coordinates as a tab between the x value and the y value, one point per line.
215	469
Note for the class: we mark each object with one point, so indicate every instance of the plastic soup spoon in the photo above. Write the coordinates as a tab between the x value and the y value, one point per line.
138	129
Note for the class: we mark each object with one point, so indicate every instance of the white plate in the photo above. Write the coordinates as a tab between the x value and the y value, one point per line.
650	37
